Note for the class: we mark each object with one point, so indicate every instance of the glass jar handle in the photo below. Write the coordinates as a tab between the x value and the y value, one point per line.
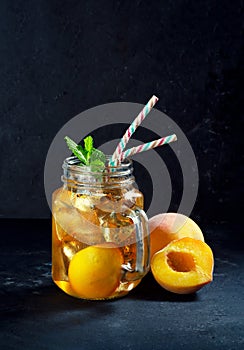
140	221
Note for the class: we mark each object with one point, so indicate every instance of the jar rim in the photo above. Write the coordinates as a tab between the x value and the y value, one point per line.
72	163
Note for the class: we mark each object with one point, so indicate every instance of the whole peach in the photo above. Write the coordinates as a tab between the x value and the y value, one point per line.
167	227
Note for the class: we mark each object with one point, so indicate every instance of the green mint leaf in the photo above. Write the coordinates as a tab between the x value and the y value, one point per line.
75	149
97	165
83	151
88	142
97	155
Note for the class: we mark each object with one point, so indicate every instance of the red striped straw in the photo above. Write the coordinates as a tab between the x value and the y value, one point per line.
132	128
147	146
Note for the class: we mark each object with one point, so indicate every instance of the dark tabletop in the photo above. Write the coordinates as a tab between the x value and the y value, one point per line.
35	314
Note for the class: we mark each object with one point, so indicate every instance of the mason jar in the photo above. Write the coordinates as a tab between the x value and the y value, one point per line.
100	237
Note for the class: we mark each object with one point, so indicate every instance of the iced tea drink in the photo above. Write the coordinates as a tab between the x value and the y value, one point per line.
100	243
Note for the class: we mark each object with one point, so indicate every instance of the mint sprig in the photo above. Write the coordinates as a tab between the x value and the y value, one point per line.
88	155
77	150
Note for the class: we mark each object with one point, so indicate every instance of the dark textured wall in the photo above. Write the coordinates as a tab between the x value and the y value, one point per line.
59	58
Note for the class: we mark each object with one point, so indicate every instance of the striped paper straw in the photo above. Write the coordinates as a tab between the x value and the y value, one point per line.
132	128
147	146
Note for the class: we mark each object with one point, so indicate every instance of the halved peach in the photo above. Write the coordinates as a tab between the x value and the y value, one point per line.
183	266
164	228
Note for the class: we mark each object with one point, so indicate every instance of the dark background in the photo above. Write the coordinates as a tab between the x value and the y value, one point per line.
59	58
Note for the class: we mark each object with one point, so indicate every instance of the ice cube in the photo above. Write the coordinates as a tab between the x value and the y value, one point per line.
70	248
62	198
79	225
82	202
119	200
117	227
108	204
